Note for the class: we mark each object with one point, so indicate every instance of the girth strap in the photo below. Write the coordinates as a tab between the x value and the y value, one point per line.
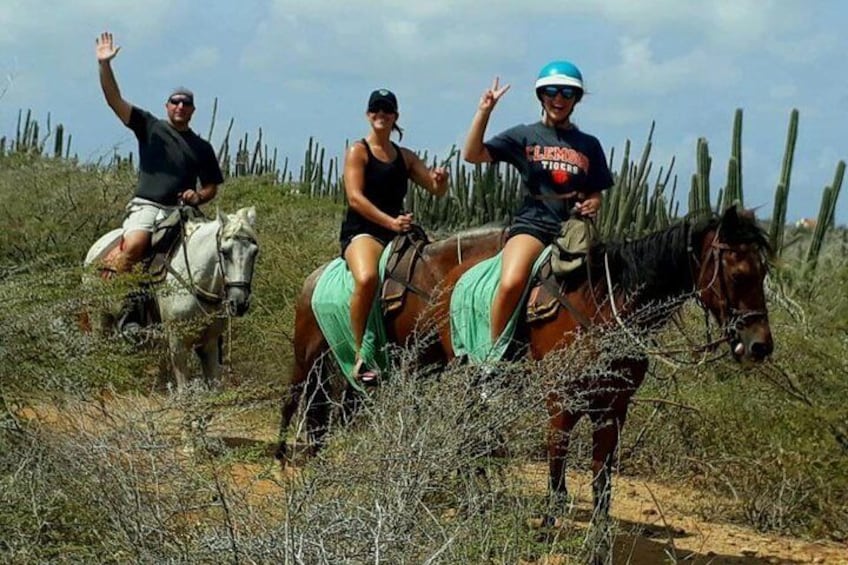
548	283
407	249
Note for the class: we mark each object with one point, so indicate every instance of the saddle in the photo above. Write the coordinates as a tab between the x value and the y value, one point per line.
140	305
166	237
548	293
407	249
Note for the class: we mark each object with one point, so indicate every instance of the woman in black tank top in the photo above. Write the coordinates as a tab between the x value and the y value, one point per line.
376	172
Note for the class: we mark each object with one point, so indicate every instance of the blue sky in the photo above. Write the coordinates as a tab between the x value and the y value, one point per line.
300	68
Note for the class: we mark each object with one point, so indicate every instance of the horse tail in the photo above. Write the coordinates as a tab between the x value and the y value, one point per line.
308	371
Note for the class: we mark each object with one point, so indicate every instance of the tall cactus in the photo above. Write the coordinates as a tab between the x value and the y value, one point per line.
57	144
778	217
736	153
699	196
825	218
732	193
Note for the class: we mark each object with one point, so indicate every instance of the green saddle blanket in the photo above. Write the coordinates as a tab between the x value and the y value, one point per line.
331	306
471	310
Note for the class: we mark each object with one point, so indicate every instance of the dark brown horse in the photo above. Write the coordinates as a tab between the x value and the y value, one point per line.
720	262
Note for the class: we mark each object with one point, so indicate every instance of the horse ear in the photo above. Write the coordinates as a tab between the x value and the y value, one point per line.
735	214
250	215
731	215
747	214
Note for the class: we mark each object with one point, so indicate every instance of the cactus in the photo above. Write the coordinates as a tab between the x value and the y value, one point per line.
736	153
699	199
778	217
212	121
825	217
57	143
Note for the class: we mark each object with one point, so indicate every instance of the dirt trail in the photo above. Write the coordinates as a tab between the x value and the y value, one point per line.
655	523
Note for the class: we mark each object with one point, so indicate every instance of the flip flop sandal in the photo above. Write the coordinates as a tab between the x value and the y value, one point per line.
366	376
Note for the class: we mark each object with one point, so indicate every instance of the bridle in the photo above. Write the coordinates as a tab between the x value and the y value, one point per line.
201	294
733	319
227	282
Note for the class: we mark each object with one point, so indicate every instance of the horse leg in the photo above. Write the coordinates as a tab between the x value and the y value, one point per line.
210	361
179	361
317	408
605	436
307	382
288	406
560	425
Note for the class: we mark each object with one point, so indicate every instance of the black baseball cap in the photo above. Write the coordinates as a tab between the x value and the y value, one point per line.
382	99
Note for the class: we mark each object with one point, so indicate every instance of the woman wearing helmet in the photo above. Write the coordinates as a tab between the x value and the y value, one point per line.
563	172
376	175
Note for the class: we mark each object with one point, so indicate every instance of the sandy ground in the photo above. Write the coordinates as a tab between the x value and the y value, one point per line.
655	523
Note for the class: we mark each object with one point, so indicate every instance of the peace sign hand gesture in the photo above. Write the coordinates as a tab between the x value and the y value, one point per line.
105	48
492	95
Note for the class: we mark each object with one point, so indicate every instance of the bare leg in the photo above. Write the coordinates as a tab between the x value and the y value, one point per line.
519	254
135	246
363	257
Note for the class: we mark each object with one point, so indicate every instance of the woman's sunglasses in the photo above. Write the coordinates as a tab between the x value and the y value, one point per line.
385	108
567	92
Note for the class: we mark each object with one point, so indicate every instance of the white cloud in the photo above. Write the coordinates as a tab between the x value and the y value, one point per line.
639	71
198	59
784	91
48	24
807	48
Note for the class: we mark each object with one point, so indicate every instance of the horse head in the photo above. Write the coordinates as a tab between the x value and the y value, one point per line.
732	262
237	250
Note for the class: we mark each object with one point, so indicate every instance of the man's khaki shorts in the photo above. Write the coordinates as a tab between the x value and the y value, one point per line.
143	215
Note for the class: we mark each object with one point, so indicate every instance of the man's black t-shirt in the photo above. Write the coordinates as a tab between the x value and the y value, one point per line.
170	161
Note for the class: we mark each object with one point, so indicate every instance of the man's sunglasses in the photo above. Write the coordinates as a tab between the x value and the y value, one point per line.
566	92
184	101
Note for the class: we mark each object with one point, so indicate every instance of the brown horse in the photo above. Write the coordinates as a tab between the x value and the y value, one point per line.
720	262
311	373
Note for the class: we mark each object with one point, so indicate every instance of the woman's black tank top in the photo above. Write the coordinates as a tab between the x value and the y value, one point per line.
385	187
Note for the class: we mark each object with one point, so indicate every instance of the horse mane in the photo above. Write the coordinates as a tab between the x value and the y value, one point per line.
237	224
658	265
737	228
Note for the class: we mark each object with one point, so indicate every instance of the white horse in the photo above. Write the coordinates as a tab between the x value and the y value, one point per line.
208	279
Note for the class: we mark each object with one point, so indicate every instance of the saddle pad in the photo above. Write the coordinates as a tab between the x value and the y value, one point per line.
331	306
471	310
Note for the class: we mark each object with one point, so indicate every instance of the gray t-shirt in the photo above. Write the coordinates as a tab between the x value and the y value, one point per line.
551	162
170	161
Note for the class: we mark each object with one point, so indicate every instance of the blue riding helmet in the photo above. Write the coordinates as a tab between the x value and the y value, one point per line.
560	73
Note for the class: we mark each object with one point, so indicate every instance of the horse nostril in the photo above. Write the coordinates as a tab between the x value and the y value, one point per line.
760	350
